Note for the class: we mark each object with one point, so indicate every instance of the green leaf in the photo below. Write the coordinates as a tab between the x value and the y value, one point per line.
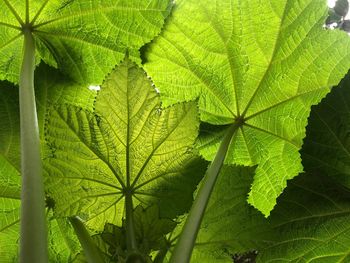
64	245
129	142
150	232
326	146
53	88
262	63
151	229
9	128
10	180
84	38
9	210
309	224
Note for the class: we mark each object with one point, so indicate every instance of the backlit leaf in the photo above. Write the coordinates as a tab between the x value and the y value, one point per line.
84	38
128	142
309	224
262	63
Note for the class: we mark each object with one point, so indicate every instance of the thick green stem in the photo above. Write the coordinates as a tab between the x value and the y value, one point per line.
183	249
33	222
134	256
130	228
92	254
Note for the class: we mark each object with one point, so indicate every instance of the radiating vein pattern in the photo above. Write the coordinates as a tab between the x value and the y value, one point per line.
127	142
85	38
267	62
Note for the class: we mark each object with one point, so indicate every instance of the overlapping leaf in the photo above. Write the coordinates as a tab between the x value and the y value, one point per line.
84	38
262	63
309	224
9	175
326	147
127	144
53	88
9	210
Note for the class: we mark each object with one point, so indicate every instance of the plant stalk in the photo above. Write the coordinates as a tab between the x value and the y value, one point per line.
130	228
33	242
184	246
91	251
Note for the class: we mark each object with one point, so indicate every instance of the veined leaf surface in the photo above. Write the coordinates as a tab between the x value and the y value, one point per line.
10	180
84	38
150	232
262	63
127	144
326	147
309	224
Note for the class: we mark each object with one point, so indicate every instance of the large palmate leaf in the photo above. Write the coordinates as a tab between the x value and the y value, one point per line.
85	38
127	144
259	64
309	224
326	147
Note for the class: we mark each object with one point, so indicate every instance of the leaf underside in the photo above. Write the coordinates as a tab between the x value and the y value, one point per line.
84	38
10	181
326	146
309	224
128	142
265	62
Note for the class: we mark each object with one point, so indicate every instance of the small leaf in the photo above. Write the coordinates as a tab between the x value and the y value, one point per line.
150	231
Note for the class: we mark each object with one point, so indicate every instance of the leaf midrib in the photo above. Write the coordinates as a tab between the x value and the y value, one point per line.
139	174
234	82
278	39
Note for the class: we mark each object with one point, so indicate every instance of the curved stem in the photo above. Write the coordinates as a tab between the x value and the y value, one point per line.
91	251
183	249
33	222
